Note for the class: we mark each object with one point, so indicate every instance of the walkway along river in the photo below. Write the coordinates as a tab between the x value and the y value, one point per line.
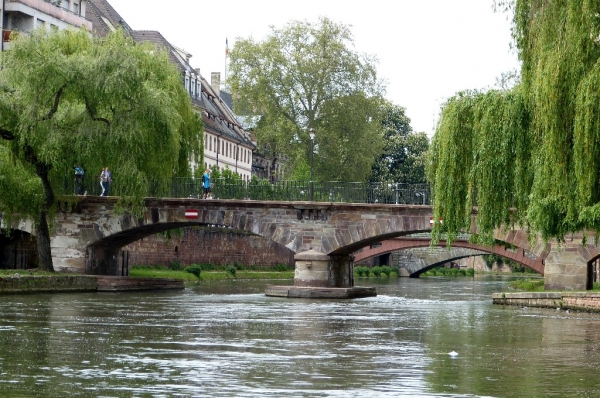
228	339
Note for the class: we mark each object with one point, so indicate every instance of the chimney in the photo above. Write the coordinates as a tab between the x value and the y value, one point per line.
198	71
215	82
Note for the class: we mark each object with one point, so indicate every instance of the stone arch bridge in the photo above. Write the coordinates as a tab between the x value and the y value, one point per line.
88	234
426	257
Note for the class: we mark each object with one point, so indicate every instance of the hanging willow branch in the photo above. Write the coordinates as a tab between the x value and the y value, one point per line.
535	148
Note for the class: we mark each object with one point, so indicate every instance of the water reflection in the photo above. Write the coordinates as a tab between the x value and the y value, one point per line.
228	339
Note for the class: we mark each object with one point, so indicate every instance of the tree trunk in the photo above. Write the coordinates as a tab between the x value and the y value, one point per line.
43	230
43	243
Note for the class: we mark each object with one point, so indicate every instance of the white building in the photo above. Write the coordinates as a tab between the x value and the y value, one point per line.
22	16
226	143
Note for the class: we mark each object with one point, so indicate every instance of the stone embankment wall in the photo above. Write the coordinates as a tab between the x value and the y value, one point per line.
42	284
580	301
200	246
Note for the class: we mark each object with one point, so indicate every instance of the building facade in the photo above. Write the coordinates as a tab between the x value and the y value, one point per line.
22	16
227	145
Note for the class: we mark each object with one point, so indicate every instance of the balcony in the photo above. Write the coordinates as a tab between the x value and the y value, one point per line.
29	7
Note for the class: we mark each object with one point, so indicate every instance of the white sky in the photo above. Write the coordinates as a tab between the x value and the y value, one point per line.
427	49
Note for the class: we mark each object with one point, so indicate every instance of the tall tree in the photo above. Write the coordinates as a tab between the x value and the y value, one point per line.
403	157
68	98
535	146
291	77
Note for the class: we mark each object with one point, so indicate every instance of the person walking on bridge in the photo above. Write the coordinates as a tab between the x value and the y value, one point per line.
105	180
206	184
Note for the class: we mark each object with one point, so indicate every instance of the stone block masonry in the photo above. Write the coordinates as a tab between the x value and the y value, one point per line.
579	301
205	246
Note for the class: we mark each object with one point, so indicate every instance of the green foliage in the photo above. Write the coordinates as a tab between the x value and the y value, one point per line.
403	158
547	127
281	267
453	272
528	285
194	269
362	271
66	98
386	270
306	76
175	266
348	138
231	270
480	155
376	271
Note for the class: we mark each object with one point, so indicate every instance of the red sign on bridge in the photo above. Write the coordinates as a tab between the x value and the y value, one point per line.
190	213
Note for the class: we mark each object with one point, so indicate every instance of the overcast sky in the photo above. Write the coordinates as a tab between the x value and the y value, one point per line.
427	49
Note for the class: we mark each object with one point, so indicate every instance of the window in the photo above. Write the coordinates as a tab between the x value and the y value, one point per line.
210	143
205	142
76	8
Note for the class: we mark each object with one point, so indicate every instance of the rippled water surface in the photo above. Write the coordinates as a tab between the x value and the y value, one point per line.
228	339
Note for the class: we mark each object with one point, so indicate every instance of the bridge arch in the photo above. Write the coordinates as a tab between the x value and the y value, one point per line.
87	237
18	249
518	255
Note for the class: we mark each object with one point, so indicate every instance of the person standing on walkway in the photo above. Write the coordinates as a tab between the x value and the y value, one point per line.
105	180
79	173
206	184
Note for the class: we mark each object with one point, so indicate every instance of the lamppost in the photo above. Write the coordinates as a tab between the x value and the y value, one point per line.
312	155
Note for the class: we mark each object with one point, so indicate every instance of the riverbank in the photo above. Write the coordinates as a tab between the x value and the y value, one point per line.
17	283
35	281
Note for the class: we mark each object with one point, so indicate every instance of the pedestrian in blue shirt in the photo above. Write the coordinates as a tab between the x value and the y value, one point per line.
206	184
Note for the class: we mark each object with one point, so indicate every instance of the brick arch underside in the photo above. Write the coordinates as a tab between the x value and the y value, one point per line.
106	250
390	245
18	249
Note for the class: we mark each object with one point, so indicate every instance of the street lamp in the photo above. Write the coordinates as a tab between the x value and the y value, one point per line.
312	155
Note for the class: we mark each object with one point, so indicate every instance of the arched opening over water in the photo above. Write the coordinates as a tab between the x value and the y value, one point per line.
18	250
184	243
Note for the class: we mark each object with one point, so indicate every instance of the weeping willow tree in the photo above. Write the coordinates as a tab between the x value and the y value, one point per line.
67	98
535	147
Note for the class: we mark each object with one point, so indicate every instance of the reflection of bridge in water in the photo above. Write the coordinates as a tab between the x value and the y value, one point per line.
415	255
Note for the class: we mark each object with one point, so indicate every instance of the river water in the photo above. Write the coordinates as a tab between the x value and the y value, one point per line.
229	340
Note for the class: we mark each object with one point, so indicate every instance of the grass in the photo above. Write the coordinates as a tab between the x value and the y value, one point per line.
208	275
24	272
528	285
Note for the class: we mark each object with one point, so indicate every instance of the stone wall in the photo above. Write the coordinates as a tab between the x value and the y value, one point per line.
39	284
201	246
580	301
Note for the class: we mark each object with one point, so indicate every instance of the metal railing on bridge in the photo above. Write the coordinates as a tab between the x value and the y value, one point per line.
323	191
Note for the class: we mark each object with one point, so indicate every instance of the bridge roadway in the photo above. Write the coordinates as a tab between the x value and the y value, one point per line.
88	235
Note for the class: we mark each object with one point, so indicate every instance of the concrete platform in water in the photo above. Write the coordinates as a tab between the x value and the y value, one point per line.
320	292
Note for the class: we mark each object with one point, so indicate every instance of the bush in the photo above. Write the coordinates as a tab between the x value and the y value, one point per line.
194	269
208	267
376	271
361	271
175	266
281	267
387	270
231	270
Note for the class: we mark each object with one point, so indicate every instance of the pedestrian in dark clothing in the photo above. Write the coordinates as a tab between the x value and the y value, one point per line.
79	173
